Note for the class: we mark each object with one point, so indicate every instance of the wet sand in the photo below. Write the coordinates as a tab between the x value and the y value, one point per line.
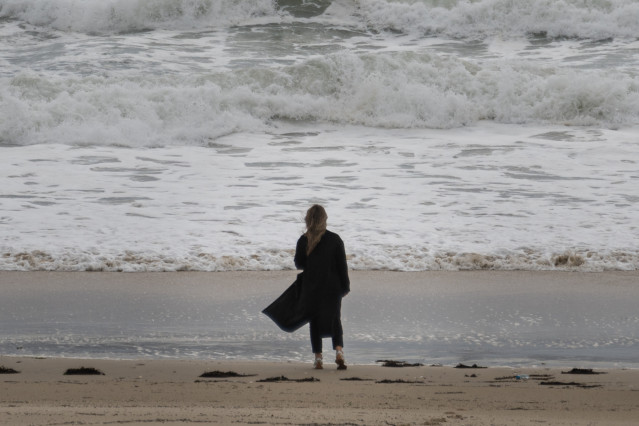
150	390
171	392
496	318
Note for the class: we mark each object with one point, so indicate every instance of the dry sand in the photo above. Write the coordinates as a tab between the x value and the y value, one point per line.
171	392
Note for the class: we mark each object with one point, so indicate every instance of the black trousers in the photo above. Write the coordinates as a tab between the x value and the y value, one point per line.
316	337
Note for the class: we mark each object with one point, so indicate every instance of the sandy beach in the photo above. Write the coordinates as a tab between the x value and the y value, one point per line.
588	317
172	392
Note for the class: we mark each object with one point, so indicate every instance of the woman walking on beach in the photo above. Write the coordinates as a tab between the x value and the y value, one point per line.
320	253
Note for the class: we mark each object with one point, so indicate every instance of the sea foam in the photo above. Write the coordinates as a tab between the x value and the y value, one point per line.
488	197
592	19
391	90
191	135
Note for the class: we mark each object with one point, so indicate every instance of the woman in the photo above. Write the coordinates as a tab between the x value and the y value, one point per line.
320	253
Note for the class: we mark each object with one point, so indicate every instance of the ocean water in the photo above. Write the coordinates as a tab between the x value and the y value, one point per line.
163	135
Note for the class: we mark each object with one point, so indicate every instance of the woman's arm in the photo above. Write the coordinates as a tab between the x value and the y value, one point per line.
300	253
342	269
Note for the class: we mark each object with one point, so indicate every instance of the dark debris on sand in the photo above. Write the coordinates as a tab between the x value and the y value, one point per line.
398	381
224	374
582	371
542	377
83	371
279	379
356	379
538	377
460	365
391	363
575	384
6	370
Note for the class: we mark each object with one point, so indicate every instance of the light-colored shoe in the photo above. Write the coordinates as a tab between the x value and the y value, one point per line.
340	360
318	364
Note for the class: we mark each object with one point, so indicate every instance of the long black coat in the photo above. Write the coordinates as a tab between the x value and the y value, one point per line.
287	311
316	295
324	281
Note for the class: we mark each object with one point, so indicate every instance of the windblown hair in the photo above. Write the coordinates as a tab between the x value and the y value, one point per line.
315	226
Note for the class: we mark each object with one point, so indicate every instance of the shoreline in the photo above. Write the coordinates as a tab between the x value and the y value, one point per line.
172	392
493	318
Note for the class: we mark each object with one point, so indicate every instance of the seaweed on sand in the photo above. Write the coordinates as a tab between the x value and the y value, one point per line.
581	371
83	371
224	374
538	377
460	365
400	381
6	370
575	384
356	379
391	363
279	379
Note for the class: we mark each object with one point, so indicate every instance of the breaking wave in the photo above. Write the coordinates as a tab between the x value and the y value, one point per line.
400	90
591	19
469	19
96	16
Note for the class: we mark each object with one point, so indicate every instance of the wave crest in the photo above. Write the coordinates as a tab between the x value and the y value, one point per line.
479	19
465	19
96	16
404	90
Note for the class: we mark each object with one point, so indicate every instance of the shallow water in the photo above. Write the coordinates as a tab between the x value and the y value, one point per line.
479	200
507	318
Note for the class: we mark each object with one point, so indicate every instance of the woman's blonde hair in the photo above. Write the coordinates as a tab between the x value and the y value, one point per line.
315	226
